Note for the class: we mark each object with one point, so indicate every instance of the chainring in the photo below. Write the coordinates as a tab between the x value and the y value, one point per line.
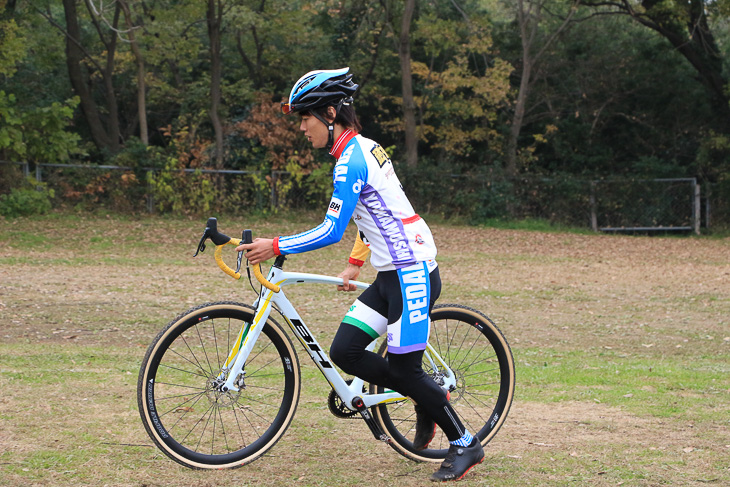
337	405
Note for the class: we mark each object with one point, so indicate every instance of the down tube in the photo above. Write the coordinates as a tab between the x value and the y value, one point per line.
313	348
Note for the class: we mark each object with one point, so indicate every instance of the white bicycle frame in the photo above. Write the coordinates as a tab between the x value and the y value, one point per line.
348	392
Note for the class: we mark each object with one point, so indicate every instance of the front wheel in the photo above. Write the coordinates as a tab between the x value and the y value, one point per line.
184	412
480	357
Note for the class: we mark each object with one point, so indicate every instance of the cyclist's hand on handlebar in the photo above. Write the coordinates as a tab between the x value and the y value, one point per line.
260	250
350	273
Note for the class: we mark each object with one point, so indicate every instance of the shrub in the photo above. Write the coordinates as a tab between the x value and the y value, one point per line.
33	198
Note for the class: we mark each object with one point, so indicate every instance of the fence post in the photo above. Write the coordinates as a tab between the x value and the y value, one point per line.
150	196
708	205
38	175
274	196
26	170
594	217
697	209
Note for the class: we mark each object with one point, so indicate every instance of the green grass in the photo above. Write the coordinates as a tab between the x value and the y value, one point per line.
685	389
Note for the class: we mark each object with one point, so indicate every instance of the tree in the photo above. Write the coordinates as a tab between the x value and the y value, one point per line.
214	20
132	26
12	47
529	14
402	43
130	36
462	85
597	99
409	106
36	135
81	65
685	24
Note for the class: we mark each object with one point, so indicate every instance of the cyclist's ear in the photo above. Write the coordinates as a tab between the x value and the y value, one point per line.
331	114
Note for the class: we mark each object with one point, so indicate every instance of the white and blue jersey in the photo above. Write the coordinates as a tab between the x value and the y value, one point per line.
367	190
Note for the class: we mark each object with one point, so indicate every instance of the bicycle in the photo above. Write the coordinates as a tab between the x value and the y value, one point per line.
219	385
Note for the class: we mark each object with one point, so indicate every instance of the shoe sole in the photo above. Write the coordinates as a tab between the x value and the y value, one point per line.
462	475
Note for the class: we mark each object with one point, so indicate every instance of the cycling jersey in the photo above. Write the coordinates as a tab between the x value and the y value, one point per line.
367	190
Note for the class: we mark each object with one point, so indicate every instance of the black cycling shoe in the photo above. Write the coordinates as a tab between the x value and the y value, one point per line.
425	430
459	460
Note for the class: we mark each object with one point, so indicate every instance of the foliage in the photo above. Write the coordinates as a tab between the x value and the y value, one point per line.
177	191
276	148
12	47
278	136
614	95
614	122
463	86
38	134
32	198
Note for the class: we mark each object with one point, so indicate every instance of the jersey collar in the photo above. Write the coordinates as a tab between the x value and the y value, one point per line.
342	142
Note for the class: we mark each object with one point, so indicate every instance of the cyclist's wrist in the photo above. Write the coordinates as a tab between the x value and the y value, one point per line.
276	246
356	262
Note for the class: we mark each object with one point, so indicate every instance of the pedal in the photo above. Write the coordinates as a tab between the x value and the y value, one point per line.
375	429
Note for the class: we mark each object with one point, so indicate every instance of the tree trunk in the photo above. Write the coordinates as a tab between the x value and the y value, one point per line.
409	105
518	116
80	79
214	19
111	97
141	84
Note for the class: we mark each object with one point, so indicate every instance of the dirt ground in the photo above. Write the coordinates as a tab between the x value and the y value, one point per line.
651	298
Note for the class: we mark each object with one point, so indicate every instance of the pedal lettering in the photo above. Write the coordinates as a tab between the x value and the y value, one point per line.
416	292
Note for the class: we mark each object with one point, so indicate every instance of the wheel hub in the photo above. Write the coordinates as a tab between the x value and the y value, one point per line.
215	394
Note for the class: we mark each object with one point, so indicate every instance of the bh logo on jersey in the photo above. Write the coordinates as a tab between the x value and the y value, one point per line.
335	207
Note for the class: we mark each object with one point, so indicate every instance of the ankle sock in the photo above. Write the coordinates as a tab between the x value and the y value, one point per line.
464	440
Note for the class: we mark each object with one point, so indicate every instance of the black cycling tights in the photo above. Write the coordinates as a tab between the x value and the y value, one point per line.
401	372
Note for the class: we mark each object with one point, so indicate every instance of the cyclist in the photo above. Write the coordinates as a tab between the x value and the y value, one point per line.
402	250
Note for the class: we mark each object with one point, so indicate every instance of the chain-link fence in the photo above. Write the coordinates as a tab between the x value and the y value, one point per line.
610	205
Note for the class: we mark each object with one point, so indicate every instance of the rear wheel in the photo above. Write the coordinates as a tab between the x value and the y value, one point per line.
188	417
480	357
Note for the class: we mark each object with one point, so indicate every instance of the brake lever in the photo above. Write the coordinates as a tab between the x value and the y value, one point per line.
201	244
240	258
246	238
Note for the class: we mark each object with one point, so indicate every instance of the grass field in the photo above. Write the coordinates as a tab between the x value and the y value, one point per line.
622	348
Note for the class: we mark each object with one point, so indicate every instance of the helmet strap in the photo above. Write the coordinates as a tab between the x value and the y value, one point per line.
330	125
330	129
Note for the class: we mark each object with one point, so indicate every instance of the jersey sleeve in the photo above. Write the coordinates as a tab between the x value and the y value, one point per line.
349	175
359	252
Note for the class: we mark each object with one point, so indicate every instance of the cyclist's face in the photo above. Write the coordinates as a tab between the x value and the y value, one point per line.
314	130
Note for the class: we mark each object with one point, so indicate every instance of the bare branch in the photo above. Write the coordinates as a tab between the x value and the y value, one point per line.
99	13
